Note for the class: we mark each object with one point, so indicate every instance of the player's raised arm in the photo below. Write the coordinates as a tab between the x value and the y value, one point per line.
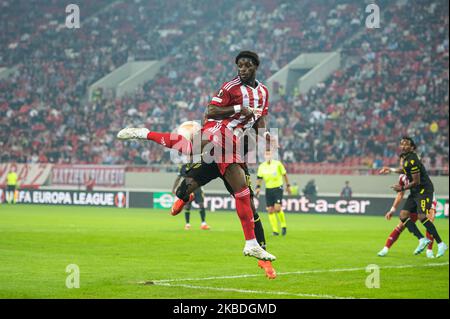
221	105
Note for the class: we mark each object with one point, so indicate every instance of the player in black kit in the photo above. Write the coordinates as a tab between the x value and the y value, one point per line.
420	198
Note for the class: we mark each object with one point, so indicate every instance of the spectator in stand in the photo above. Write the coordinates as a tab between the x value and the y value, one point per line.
378	162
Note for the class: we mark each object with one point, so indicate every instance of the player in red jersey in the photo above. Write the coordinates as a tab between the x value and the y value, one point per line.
403	181
238	105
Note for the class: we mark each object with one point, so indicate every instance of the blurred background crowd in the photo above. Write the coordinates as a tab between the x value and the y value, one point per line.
393	80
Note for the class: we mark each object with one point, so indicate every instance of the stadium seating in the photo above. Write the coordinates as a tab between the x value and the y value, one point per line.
389	79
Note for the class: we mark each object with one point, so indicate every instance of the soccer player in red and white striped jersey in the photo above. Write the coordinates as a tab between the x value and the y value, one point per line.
240	104
239	94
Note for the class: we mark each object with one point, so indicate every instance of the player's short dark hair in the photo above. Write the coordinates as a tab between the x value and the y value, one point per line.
411	141
248	54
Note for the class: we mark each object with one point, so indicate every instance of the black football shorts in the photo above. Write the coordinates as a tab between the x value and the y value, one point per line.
420	203
203	173
274	196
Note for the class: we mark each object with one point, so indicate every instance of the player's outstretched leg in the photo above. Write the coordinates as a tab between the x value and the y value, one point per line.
169	140
133	133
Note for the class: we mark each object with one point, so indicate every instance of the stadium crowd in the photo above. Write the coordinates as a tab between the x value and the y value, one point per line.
392	77
396	84
45	116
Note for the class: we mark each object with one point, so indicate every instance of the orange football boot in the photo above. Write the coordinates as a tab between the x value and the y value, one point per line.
177	207
267	266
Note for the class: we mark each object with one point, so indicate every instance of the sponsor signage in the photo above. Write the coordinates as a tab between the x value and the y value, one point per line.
77	198
326	205
163	200
103	175
441	208
213	202
321	205
140	199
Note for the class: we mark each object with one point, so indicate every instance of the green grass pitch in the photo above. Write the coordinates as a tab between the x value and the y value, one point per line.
323	256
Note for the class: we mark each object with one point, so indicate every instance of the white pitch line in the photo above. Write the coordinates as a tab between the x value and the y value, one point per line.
291	273
281	293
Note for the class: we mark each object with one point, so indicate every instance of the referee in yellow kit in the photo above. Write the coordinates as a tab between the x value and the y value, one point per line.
272	172
11	186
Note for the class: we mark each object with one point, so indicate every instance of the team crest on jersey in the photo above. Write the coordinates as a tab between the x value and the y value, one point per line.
412	162
220	94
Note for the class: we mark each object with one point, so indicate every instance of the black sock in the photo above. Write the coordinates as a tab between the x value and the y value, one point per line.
412	227
259	231
187	215
181	191
202	214
432	230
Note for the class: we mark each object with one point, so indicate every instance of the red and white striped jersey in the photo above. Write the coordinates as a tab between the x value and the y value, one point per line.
434	204
235	92
403	180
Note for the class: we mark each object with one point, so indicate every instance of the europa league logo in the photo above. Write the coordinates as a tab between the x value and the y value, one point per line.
120	199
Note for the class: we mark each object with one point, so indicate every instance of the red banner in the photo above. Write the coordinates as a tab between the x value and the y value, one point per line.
29	175
103	175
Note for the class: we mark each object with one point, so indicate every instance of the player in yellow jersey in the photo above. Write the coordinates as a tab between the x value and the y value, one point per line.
272	172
